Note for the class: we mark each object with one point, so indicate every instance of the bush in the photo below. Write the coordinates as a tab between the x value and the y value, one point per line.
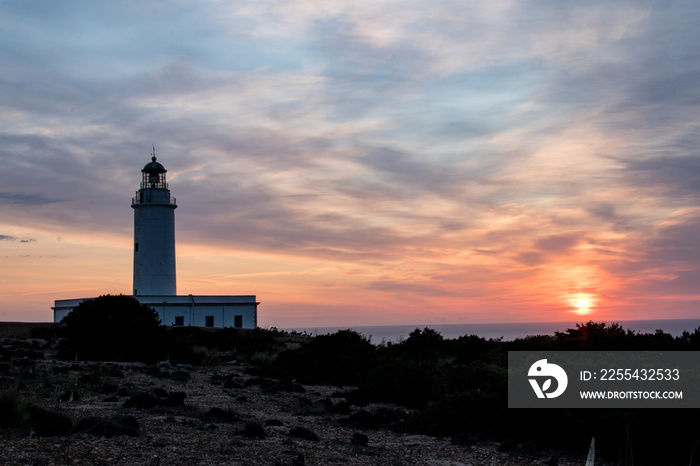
468	412
424	344
111	328
460	389
341	358
48	423
12	408
195	345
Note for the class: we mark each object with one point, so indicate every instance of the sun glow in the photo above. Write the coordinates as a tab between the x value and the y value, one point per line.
583	306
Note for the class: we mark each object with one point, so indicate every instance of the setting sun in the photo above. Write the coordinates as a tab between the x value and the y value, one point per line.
583	306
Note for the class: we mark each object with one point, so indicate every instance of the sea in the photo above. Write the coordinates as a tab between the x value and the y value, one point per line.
508	331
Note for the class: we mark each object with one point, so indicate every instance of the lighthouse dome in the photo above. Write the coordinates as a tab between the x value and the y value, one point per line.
154	167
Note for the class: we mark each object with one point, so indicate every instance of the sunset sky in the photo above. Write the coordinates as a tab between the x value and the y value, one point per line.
359	163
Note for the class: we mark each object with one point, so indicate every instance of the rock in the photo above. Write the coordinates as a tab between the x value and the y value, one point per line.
112	371
341	407
219	415
297	388
159	397
254	430
303	433
232	384
296	459
108	387
113	426
463	439
160	393
180	376
142	401
362	419
47	423
382	417
176	398
359	439
6	382
70	395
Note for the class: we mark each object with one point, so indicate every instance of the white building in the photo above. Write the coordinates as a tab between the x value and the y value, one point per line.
155	282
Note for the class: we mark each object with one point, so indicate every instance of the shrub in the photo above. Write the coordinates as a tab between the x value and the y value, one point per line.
423	344
194	345
48	423
596	336
12	408
111	328
341	358
466	412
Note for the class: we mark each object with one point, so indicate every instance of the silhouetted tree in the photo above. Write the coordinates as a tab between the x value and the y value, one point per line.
598	336
424	344
341	358
111	328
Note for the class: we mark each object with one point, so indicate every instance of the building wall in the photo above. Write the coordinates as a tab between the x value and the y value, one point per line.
220	315
62	307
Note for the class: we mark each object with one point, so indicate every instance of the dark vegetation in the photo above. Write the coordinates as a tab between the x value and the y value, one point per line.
458	388
126	330
455	388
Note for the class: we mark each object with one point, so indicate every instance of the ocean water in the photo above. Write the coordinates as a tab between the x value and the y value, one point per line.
508	331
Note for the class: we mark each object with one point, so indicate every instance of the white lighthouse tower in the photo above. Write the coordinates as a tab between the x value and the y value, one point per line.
154	266
154	234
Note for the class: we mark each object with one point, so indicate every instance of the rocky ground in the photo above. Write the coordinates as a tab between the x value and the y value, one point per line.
96	413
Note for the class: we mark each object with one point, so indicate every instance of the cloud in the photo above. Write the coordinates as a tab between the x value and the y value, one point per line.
23	199
557	243
509	144
673	177
13	238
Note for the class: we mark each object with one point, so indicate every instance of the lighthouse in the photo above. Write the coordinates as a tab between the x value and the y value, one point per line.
154	234
154	266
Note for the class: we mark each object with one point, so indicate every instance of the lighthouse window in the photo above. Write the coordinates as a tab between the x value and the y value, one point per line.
238	321
209	321
136	247
180	320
